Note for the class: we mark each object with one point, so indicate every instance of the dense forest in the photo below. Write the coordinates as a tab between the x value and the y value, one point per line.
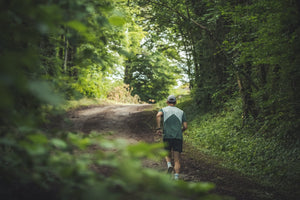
238	58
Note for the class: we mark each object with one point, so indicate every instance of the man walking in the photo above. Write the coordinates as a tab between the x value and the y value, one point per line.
174	123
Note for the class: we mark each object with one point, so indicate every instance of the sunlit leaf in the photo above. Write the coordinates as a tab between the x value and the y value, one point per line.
117	20
43	91
38	138
80	27
58	143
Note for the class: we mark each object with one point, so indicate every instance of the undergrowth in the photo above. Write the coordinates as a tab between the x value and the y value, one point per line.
119	94
222	134
65	167
122	94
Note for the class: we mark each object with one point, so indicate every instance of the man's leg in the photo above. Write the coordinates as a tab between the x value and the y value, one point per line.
176	154
167	144
169	157
169	162
176	162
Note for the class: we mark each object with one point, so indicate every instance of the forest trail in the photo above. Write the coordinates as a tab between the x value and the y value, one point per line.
135	123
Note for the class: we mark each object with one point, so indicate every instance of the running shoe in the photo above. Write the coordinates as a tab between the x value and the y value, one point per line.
170	170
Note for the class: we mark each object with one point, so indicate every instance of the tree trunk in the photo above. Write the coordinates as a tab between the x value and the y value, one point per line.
249	106
66	54
127	73
193	45
61	49
188	57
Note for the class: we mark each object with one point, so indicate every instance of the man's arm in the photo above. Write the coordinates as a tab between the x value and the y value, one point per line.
158	121
184	126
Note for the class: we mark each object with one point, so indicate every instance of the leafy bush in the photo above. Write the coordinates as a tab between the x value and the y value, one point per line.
122	94
223	134
91	82
75	166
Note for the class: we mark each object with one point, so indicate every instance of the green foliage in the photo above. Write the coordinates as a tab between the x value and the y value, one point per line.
122	94
249	48
269	160
47	47
111	169
43	90
151	76
91	82
244	50
50	46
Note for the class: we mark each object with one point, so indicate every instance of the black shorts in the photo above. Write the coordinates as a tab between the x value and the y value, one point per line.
175	144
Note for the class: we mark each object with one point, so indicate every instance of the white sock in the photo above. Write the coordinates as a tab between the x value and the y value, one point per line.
176	176
169	164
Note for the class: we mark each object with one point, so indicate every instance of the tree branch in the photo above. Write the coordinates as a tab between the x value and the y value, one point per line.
180	14
188	18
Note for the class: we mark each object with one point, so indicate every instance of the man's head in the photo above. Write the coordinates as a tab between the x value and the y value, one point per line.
171	99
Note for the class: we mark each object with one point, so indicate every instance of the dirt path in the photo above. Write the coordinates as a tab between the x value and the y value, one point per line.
135	123
130	122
